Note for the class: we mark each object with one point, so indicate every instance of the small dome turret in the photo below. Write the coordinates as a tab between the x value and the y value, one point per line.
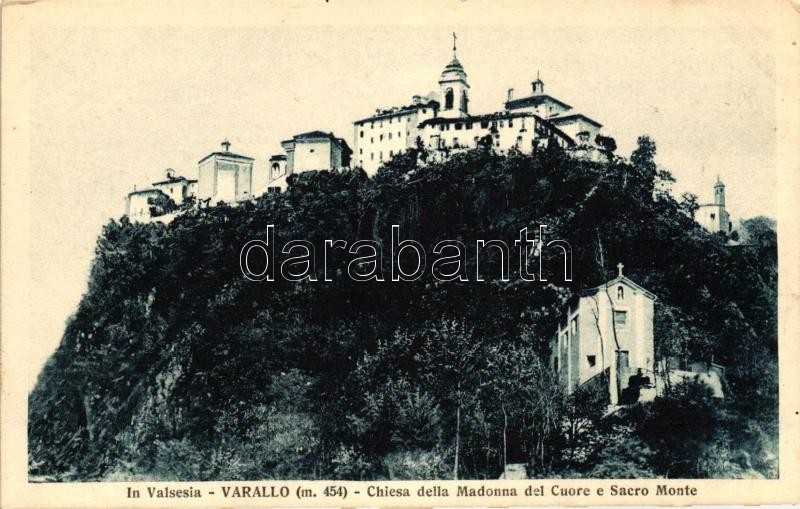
454	70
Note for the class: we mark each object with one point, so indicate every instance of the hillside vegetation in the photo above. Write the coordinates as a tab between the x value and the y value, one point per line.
174	366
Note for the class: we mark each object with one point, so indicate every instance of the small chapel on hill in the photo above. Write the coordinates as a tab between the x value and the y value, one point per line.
607	331
605	339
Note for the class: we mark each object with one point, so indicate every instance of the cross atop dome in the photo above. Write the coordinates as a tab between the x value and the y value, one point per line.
619	269
226	145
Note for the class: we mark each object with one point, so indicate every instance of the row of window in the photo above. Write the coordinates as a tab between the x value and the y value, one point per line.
380	155
391	120
485	124
620	319
389	136
476	140
591	361
623	360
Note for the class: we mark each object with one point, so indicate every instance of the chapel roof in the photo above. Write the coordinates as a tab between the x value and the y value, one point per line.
619	279
318	135
173	180
534	100
146	191
573	116
226	154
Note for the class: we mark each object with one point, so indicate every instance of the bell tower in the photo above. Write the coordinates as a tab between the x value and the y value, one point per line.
719	193
537	86
454	88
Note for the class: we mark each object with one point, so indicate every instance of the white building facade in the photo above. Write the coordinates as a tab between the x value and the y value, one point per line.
176	187
224	177
311	151
140	206
607	332
389	132
441	122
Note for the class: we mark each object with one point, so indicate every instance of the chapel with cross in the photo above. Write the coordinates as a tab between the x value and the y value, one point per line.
606	335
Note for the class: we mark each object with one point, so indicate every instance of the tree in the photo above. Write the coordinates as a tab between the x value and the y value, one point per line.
606	143
761	231
449	354
689	204
161	204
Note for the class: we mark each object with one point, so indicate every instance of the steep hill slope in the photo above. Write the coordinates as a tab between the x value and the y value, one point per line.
175	366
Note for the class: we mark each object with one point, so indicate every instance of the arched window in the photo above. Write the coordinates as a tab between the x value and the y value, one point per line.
620	293
276	168
448	99
464	100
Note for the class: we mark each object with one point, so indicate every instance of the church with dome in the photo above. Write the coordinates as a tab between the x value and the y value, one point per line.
441	123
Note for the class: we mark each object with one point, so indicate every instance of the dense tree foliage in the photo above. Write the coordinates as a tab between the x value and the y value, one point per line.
175	366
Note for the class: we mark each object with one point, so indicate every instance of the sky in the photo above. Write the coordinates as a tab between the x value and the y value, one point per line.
112	108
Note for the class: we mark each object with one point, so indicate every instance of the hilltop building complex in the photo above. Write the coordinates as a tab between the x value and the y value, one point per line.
440	123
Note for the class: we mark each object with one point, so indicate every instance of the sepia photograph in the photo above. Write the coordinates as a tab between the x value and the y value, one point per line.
476	254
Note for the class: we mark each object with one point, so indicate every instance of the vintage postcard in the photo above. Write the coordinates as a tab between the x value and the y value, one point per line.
352	253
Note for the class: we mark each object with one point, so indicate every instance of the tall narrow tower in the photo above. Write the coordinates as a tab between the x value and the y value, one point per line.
713	216
454	89
537	86
719	193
